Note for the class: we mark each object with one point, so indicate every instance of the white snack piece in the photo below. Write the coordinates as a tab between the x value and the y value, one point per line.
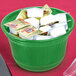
33	21
61	17
55	32
40	37
30	38
13	31
47	19
60	24
35	12
71	70
45	28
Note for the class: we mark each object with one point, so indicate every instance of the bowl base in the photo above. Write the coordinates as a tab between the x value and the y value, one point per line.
38	68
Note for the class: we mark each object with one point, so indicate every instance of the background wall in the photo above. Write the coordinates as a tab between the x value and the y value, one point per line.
7	6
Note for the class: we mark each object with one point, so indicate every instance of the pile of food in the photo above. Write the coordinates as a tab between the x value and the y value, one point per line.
38	24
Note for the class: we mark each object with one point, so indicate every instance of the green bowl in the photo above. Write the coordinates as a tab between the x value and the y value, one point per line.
37	55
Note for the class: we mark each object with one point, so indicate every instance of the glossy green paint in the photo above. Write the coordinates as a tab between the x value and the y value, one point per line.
37	55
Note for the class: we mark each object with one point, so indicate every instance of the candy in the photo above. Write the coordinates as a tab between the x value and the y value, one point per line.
33	21
61	17
23	37
55	32
47	19
41	37
45	28
47	10
59	25
22	15
15	25
38	23
29	31
35	12
13	31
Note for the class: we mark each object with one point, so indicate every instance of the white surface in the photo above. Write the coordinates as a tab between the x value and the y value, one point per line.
45	28
62	18
33	21
61	24
47	19
40	37
55	32
13	31
35	12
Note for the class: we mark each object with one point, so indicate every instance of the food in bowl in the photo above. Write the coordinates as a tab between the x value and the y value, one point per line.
33	23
